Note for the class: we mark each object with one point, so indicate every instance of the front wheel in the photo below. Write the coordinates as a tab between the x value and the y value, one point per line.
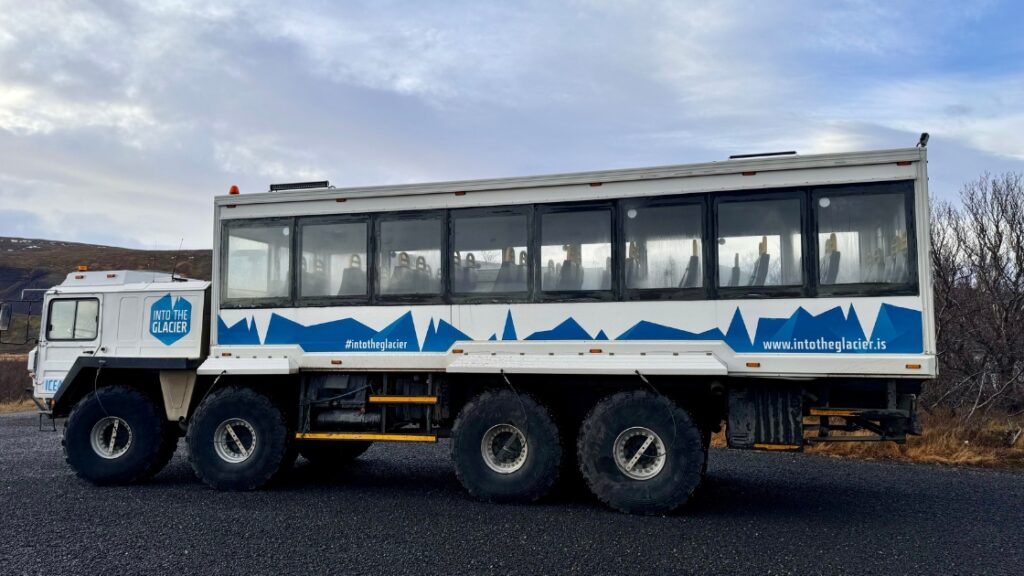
640	453
238	440
115	435
506	448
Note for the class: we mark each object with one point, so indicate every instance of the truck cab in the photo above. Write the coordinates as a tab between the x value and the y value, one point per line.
99	319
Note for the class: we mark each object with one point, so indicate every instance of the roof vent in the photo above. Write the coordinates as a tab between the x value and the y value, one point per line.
299	186
758	155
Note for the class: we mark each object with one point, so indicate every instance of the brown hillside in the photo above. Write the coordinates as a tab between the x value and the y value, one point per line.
30	263
39	264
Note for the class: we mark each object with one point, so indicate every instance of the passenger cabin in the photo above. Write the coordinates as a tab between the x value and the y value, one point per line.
793	265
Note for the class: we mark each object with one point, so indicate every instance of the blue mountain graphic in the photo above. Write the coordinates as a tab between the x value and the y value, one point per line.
900	328
737	336
325	337
896	330
401	330
509	333
241	333
644	330
569	329
440	339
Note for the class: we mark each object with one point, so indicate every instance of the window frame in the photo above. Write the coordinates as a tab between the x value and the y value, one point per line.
301	301
267	302
654	294
807	268
49	316
524	296
867	289
441	297
613	292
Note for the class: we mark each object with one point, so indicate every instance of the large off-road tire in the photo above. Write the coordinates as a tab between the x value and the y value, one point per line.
705	439
115	435
327	454
168	446
640	453
506	447
238	439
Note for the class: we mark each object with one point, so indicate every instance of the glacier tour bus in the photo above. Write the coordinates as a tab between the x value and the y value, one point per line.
600	323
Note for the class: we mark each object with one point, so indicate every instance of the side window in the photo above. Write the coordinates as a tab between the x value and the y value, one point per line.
258	260
576	250
759	243
73	319
489	252
409	261
333	260
862	238
663	246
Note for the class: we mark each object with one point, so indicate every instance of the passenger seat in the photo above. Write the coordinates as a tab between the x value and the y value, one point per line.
353	278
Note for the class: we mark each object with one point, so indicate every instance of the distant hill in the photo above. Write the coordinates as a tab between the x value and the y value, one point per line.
29	263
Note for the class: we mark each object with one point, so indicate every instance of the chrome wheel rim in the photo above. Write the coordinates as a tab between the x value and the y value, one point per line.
235	440
111	437
639	453
504	448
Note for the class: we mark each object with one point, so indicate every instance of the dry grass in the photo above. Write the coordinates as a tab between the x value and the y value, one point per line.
24	406
13	378
944	441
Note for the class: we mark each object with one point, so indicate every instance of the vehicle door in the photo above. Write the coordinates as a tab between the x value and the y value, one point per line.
71	328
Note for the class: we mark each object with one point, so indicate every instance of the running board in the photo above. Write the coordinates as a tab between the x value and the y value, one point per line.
365	436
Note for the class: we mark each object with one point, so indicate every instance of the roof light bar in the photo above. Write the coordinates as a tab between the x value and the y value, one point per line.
759	154
300	186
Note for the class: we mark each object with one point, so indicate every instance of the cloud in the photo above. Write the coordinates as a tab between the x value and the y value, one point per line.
263	157
129	117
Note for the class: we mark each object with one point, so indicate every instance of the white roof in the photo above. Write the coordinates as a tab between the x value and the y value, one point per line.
126	281
724	167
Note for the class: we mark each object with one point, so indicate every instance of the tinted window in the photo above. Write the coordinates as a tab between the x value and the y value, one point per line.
258	261
490	252
862	238
759	243
663	246
409	261
73	319
576	250
333	259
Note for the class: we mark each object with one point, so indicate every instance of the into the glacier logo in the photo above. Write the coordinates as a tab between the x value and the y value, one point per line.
170	319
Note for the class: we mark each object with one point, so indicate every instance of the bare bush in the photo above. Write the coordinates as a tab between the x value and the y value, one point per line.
978	271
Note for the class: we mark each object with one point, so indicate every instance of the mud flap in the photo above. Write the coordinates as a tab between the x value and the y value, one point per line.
765	418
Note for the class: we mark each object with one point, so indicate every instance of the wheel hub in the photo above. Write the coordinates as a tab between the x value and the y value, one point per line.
504	448
235	440
111	437
639	453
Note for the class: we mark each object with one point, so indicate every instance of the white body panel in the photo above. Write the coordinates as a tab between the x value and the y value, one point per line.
618	329
141	315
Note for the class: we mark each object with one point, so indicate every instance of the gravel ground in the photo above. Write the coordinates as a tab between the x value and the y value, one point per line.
400	510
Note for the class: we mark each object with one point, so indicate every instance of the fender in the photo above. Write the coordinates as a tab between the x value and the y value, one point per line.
82	371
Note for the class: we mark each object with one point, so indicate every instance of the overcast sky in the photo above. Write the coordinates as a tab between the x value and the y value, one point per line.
120	121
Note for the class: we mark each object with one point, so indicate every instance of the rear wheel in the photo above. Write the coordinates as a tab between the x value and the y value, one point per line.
238	440
506	448
640	453
329	454
115	435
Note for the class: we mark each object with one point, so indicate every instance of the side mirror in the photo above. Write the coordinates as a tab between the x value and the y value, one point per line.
6	311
